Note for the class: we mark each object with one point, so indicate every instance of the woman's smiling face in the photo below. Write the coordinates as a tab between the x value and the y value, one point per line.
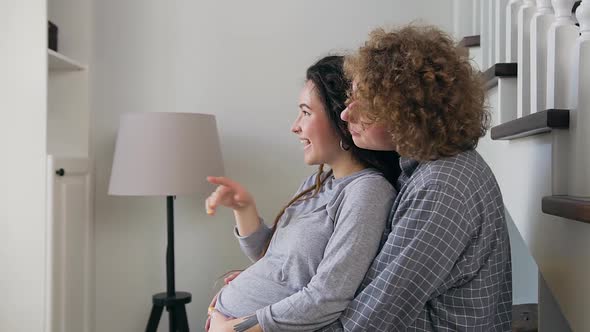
321	143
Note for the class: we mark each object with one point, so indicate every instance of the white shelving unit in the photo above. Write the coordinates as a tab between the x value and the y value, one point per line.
59	62
70	239
47	240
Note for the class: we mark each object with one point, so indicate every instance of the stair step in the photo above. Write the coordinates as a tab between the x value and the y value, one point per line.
533	124
575	208
470	41
490	76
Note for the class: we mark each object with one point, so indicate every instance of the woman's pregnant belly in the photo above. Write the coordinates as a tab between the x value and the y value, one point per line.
258	286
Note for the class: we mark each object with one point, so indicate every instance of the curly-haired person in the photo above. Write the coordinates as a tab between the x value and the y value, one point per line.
308	265
445	264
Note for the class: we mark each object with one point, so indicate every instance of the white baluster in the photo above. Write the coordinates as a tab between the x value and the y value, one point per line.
523	76
512	30
476	18
579	184
500	33
491	11
574	16
540	24
462	10
485	34
560	44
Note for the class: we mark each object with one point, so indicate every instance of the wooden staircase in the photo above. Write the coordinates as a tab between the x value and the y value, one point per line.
535	61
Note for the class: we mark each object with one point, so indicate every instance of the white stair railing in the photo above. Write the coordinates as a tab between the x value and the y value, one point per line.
476	17
491	21
552	86
525	15
579	163
512	30
500	31
485	35
463	27
540	24
561	41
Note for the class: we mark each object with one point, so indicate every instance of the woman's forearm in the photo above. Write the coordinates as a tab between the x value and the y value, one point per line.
247	220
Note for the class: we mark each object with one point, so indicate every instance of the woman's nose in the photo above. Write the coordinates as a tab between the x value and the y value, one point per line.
295	128
344	115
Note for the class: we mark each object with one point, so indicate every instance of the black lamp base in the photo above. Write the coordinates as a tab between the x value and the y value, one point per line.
176	309
173	301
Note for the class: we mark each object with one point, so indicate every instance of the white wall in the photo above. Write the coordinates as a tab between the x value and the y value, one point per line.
524	269
243	61
525	273
550	316
23	72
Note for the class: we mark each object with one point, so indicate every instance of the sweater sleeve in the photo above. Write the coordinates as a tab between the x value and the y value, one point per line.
253	244
359	223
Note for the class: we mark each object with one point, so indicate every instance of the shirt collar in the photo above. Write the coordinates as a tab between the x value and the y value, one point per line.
408	166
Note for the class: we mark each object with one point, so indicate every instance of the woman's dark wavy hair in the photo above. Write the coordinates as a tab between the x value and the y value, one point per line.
332	87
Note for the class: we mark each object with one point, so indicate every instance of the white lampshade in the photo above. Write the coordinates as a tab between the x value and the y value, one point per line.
165	154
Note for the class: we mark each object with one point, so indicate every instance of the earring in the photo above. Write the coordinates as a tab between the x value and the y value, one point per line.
344	146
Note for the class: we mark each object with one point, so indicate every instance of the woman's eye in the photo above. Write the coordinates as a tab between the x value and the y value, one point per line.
306	113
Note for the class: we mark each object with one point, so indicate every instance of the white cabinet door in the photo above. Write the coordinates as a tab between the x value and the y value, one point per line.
70	245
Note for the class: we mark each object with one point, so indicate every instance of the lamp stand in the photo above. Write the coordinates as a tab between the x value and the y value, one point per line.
173	301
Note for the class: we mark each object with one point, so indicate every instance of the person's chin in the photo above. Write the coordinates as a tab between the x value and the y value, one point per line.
359	142
313	161
369	146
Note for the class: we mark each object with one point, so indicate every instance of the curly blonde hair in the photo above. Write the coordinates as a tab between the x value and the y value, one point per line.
415	81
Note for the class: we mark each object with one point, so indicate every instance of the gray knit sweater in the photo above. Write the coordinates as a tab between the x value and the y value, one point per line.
318	257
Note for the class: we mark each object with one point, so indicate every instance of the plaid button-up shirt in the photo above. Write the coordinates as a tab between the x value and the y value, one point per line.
445	263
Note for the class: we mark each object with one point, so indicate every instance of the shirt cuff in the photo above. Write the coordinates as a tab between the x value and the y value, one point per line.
254	239
262	229
264	318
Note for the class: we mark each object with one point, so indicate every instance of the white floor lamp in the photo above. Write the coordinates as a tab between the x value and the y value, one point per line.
166	154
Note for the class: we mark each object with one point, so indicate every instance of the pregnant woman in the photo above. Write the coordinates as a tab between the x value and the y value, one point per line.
309	264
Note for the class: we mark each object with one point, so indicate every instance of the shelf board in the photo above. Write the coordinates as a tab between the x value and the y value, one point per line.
470	41
533	124
575	208
490	76
59	62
